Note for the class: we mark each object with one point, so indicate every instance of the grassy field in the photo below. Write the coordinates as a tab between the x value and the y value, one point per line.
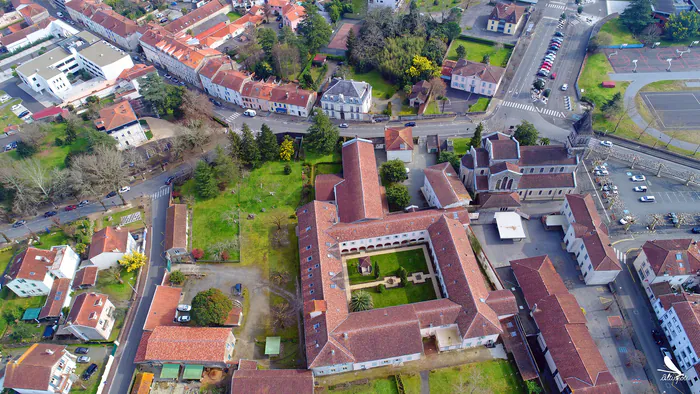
477	50
499	376
359	7
116	219
56	237
461	145
9	300
594	73
381	88
5	258
116	291
329	168
376	386
232	16
439	5
408	110
619	32
668	86
7	117
402	295
50	154
481	104
389	263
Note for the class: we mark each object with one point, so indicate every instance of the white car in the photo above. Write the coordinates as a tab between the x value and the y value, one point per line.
602	173
601	168
124	189
184	308
640	188
60	14
564	86
639	178
625	220
606	143
16	107
647	199
612	188
5	98
183	319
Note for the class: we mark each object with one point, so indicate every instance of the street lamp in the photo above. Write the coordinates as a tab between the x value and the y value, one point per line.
669	64
693	43
635	65
611	54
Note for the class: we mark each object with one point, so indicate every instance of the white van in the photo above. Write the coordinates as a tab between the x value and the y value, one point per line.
250	112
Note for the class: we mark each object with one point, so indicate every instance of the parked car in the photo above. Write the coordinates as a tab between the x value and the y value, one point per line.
665	353
184	308
280	25
5	98
625	220
639	178
640	188
71	207
50	213
695	230
410	124
609	188
602	173
59	14
237	289
564	87
559	34
16	107
89	371
658	337
279	18
174	80
606	143
111	194
647	199
19	223
81	350
169	180
343	126
183	318
250	112
23	114
83	359
83	203
124	189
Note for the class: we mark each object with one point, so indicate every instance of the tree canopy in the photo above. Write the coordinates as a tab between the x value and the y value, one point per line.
267	144
398	196
393	171
210	308
204	181
133	261
683	26
526	133
637	15
323	135
250	152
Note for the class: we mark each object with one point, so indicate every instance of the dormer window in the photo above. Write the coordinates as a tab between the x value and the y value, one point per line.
93	316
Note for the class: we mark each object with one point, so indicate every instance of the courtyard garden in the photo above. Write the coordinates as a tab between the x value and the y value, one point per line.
389	263
381	88
409	294
619	32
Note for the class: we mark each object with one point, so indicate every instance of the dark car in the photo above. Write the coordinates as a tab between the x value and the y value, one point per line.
23	114
81	350
237	289
84	203
279	18
559	34
111	194
50	213
410	124
19	223
89	371
71	207
696	230
280	25
658	337
169	180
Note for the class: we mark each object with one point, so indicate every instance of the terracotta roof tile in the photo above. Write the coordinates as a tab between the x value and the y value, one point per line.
538	278
23	33
515	344
482	182
117	115
485	72
510	13
56	298
673	256
186	344
398	138
584	212
293	11
504	150
546	155
547	181
231	79
249	381
292	94
195	17
137	71
325	184
142	383
247	364
359	196
444	181
32	371
176	227
32	264
504	166
163	307
87	309
85	277
117	24
498	200
502	302
600	251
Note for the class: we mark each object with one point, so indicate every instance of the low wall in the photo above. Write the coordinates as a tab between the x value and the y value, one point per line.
621	46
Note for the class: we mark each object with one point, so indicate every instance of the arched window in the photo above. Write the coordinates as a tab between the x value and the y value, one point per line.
510	185
505	182
498	184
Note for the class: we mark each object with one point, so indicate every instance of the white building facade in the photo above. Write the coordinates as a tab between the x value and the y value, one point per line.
347	100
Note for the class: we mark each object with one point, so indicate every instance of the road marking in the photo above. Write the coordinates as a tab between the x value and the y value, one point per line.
549	17
160	193
233	117
557	6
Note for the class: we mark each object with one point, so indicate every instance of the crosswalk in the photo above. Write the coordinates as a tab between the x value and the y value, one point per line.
532	108
163	191
621	256
233	117
557	6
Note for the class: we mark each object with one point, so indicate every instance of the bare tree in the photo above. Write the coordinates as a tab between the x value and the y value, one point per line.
475	383
104	170
34	134
194	135
279	278
136	160
437	88
115	272
26	198
286	60
81	187
654	219
683	218
49	182
636	358
282	315
278	218
195	105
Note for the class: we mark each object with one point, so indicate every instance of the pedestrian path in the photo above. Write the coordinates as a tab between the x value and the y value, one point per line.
233	117
164	191
557	6
621	256
532	108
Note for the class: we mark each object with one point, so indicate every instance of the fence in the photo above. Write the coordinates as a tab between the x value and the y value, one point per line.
594	31
623	46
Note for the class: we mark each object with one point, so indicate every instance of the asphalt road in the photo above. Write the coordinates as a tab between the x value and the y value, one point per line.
127	349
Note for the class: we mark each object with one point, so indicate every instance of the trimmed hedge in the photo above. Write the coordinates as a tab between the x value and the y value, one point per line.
484	41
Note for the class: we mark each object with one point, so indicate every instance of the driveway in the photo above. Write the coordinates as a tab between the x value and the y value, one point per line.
477	17
10	87
459	100
224	277
594	300
421	160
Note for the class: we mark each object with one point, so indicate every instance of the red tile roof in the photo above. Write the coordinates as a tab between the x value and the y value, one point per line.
359	196
87	309
514	343
508	149
234	317
32	264
539	155
85	277
253	381
484	72
56	298
247	364
230	79
444	181
196	17
109	239
117	24
31	10
504	166
47	112
117	115
600	251
163	307
293	11
510	13
137	71
398	138
673	256
502	302
32	371
669	299
185	344
538	278
176	227
23	33
292	94
213	66
325	184
584	213
547	181
482	182
498	200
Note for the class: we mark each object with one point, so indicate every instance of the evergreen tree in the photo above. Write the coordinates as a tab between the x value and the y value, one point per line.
226	169
461	52
323	135
476	139
204	181
249	147
637	16
376	270
350	41
267	144
236	144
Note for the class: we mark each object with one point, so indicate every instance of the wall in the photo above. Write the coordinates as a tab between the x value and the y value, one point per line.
404	155
107	259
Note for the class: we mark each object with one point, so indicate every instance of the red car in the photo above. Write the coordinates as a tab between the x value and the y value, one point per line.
71	207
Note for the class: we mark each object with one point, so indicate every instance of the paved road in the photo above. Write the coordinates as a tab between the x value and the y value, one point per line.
127	350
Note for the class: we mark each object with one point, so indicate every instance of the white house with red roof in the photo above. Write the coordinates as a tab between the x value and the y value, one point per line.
398	143
442	187
473	77
120	121
292	14
33	272
42	369
91	318
676	261
109	245
208	346
569	350
501	165
587	237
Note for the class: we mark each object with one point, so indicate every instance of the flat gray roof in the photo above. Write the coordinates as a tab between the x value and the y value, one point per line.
40	65
102	53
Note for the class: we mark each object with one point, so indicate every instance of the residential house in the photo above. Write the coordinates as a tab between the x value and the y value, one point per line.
676	261
290	99
198	16
248	379
163	308
59	297
131	80
442	187
498	202
85	277
120	121
33	13
50	114
398	143
587	238
109	245
33	272
501	165
505	18
277	5
36	32
101	19
562	335
420	93
220	33
292	14
338	341
42	369
257	95
207	346
91	318
347	100
393	4
473	77
176	230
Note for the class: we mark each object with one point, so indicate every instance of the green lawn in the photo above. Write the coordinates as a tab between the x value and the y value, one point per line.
477	50
389	263
376	386
359	7
116	219
402	295
619	32
51	155
7	117
8	299
432	108
461	145
481	104
329	168
5	258
232	16
439	5
381	88
408	110
57	237
594	73
116	291
499	376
